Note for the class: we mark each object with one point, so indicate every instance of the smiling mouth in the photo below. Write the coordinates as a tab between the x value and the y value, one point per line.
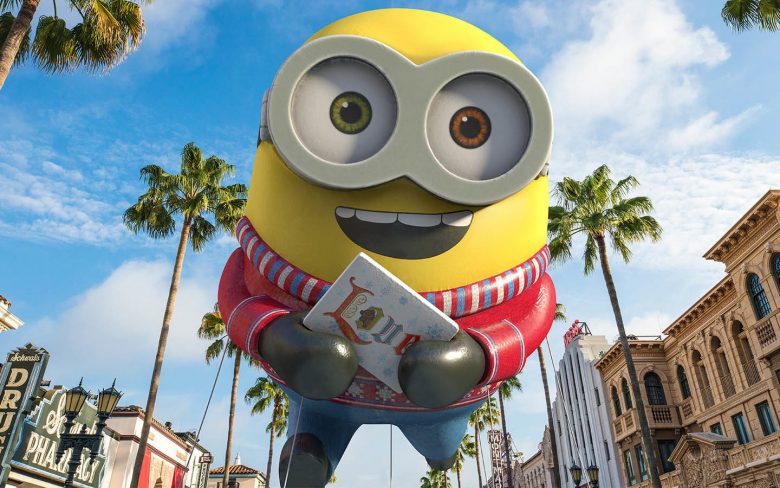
404	235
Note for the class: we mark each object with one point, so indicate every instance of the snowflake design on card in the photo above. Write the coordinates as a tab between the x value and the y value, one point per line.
403	300
384	393
355	390
435	333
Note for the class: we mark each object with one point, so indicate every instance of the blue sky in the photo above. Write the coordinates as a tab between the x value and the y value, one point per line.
660	89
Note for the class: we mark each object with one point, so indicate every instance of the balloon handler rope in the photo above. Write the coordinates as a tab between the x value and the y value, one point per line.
297	424
208	403
490	414
391	455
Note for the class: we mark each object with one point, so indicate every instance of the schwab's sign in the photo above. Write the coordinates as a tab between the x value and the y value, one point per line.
20	379
40	440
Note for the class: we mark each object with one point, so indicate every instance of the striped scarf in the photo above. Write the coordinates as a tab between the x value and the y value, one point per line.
455	302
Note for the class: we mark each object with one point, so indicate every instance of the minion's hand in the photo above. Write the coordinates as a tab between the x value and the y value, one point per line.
435	374
314	364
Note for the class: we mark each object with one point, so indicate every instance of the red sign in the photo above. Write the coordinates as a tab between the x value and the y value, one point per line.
574	331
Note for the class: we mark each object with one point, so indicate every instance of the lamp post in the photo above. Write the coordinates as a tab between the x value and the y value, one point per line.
74	401
593	475
576	475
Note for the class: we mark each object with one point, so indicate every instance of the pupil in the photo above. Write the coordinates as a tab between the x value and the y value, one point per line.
350	112
470	127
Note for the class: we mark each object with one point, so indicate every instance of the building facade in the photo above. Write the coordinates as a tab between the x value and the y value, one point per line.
242	476
711	386
8	321
582	421
536	471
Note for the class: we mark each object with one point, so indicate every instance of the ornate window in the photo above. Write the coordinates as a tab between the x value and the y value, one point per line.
776	267
616	403
666	447
640	461
626	394
765	418
745	353
741	428
722	366
682	379
654	389
758	296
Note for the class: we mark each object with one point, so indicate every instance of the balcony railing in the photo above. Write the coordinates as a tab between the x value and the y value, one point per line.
658	416
728	385
751	372
686	408
706	397
767	330
755	451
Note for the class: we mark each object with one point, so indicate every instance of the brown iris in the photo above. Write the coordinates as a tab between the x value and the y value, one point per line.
470	127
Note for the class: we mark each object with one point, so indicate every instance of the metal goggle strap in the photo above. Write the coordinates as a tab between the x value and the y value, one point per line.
407	152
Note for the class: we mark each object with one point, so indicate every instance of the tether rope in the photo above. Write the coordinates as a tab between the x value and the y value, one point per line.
208	403
292	447
391	455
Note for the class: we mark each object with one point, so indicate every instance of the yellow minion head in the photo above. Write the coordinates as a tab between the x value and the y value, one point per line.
411	136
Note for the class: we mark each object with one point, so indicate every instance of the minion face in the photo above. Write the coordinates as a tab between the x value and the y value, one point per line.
408	135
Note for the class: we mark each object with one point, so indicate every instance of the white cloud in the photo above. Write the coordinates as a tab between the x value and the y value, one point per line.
124	313
634	81
175	22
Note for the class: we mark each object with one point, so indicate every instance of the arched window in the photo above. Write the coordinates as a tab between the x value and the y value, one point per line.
776	267
758	296
655	389
682	379
722	366
745	353
702	379
626	394
616	403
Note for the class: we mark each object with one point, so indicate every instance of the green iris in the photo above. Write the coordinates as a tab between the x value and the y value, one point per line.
350	112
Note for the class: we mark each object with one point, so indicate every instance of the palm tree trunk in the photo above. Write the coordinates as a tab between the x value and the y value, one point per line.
506	437
476	447
14	39
457	475
647	440
553	438
166	325
231	417
274	416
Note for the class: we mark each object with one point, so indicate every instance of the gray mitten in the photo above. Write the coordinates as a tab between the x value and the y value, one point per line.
434	374
314	364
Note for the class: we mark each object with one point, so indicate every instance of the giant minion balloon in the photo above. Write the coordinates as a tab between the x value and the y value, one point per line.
420	140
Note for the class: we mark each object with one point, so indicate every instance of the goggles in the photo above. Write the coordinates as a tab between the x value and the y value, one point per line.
348	112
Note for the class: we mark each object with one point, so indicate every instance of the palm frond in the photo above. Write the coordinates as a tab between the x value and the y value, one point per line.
6	21
509	386
201	232
590	255
769	15
214	350
560	312
54	46
740	14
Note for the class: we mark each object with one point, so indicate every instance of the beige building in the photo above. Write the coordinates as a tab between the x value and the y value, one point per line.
536	471
8	321
243	476
711	385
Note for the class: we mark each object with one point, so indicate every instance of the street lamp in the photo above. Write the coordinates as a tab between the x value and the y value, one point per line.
593	475
576	475
75	398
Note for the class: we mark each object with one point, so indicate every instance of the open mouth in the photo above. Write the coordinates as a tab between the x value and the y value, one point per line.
404	235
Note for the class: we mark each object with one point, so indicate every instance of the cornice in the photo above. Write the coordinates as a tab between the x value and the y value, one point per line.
702	307
639	348
767	206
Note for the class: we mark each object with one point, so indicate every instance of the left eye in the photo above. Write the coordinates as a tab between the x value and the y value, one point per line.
350	112
344	110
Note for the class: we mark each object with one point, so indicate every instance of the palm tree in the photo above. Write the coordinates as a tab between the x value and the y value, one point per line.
505	391
192	194
599	208
466	449
746	14
435	479
212	327
485	416
109	30
265	393
560	316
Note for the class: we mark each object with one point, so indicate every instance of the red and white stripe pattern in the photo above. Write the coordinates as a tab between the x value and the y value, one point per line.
455	302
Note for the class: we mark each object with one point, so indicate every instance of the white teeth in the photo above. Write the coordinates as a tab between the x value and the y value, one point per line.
345	212
457	219
376	217
420	220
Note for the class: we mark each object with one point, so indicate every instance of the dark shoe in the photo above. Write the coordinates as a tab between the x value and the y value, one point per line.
443	464
305	456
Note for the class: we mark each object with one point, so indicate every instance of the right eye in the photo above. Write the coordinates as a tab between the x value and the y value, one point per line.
344	110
